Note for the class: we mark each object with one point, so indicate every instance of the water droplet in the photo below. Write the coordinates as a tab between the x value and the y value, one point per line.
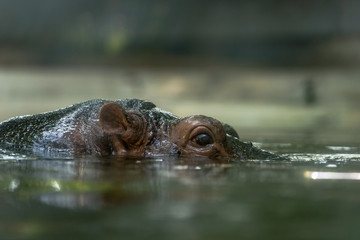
13	185
331	165
55	185
181	167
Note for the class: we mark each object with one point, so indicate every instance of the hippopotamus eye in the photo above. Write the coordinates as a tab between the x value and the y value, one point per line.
203	139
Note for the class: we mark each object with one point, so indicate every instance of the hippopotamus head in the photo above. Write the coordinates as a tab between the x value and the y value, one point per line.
139	133
126	128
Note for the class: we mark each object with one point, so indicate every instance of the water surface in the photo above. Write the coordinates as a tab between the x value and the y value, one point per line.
314	195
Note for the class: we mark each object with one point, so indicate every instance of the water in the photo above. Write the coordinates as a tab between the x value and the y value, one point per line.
315	195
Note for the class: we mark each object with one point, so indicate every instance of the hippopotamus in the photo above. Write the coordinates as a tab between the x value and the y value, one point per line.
129	128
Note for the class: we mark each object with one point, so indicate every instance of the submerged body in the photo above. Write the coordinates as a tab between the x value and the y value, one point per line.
127	128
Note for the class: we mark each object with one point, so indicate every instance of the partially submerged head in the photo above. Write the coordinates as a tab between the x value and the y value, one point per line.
132	134
201	136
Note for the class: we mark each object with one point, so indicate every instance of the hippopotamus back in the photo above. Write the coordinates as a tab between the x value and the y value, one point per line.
54	133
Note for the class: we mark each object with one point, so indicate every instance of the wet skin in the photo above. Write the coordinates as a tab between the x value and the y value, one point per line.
129	128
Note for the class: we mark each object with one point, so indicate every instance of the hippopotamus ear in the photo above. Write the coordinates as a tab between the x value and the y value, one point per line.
113	119
127	127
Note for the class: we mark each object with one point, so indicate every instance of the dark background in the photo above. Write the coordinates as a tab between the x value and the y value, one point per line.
279	67
275	32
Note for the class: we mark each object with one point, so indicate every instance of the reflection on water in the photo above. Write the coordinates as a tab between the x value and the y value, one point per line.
332	175
114	198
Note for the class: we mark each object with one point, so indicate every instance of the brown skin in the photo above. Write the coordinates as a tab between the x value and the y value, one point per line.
126	129
129	128
130	135
200	136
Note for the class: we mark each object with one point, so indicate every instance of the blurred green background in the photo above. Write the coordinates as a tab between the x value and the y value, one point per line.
272	69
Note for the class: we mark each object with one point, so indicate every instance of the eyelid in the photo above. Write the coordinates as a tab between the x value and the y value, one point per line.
201	130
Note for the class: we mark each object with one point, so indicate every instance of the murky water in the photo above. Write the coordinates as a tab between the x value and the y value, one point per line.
315	195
